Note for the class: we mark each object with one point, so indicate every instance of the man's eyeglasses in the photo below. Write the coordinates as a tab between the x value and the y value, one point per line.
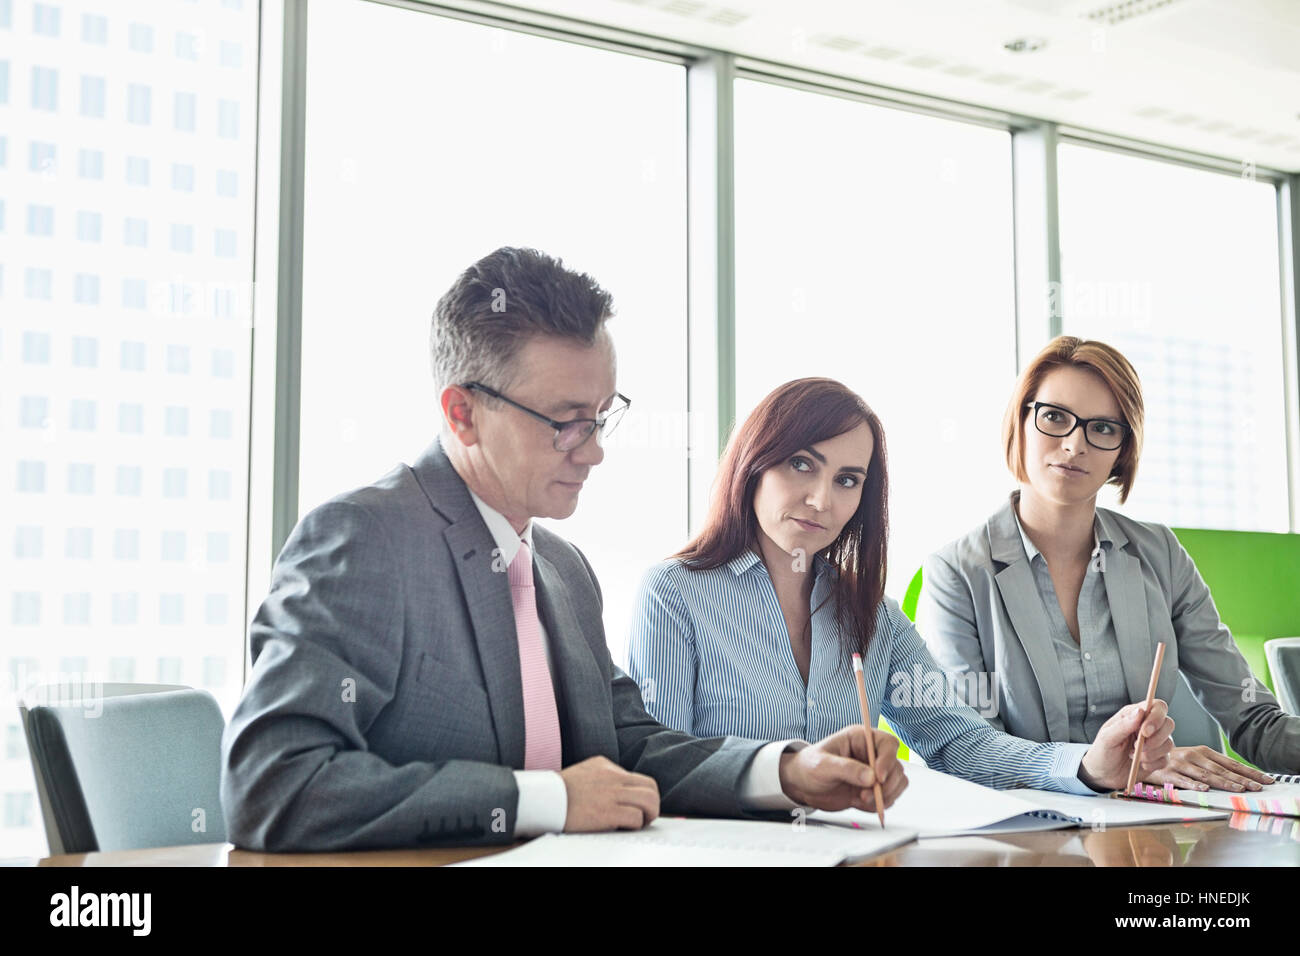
571	434
1058	422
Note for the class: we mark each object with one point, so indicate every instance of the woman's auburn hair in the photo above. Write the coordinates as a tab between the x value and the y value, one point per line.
1118	374
795	416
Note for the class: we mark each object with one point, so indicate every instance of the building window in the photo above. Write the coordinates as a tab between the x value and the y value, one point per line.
227	183
45	20
81	415
90	226
86	289
126	544
126	609
174	482
36	348
94	29
38	284
224	244
81	478
182	238
136	232
171	611
26	608
133	356
29	541
31	477
227	119
137	171
173	546
130	418
76	609
219	485
183	177
140	38
45	88
85	352
92	97
218	547
33	411
42	158
220	423
90	164
40	220
176	421
184	112
139	104
79	544
223	363
135	294
129	480
178	359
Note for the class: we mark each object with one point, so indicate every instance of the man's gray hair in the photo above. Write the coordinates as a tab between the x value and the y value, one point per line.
498	303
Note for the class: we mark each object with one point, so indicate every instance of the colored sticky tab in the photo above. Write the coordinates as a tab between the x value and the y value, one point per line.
1205	799
1239	803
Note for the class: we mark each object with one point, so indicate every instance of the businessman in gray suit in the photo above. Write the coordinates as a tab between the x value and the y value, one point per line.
430	667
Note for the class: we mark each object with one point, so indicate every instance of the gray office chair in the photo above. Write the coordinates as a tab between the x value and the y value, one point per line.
137	765
1193	724
1283	656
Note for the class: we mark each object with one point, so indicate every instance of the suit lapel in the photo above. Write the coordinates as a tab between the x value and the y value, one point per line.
1029	622
1128	611
576	672
487	597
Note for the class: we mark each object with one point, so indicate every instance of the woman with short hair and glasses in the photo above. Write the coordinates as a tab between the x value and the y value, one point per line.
1065	602
749	629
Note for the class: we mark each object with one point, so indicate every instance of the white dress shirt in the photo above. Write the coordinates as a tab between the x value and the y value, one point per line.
543	798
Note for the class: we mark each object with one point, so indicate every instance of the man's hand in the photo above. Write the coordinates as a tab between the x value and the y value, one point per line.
1199	768
833	774
604	796
1106	764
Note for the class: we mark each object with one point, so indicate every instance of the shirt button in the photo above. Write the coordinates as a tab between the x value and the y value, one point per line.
812	704
1092	709
1087	656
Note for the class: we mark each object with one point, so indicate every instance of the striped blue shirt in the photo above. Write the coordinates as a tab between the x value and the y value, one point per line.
711	654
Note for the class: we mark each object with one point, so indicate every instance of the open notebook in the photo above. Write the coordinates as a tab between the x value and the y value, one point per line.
1279	799
688	841
939	805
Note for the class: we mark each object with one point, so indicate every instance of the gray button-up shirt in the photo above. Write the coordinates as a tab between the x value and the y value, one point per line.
1094	677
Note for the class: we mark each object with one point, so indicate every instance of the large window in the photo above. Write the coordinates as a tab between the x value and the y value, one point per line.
125	277
431	142
1178	268
874	246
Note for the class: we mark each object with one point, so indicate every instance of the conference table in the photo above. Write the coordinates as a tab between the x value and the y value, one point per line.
1242	840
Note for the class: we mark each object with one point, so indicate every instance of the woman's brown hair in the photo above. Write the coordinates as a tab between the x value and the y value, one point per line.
795	416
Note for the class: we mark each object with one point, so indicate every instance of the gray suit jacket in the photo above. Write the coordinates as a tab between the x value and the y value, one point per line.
385	706
980	611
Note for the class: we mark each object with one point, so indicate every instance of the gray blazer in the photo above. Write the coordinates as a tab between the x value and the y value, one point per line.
981	612
385	706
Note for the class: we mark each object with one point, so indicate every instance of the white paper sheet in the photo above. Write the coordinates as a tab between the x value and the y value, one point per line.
687	841
937	804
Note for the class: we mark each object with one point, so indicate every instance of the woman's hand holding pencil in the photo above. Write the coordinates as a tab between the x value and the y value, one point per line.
834	773
1107	764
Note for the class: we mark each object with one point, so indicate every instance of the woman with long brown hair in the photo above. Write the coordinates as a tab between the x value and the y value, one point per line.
749	629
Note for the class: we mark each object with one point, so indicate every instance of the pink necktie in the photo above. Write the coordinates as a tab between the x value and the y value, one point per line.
541	720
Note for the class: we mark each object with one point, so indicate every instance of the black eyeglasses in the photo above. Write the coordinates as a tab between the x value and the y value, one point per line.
571	434
1102	433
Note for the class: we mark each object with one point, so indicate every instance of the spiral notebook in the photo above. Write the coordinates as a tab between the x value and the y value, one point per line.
1281	798
940	805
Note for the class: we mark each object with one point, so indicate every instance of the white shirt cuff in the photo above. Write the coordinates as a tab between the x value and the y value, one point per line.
543	803
1065	769
760	787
